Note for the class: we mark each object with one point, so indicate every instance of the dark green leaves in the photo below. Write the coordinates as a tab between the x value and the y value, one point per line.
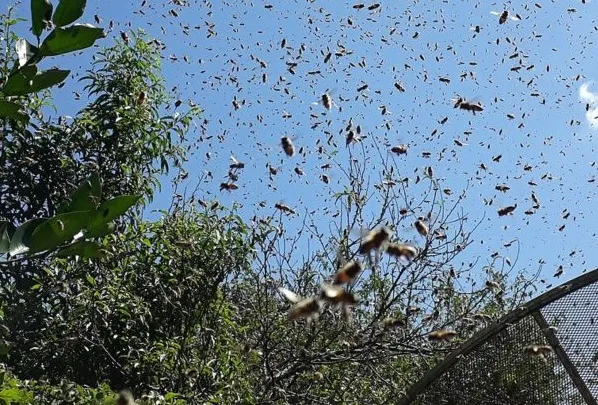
68	11
73	38
8	109
87	196
82	248
19	242
57	230
5	231
111	210
19	84
41	13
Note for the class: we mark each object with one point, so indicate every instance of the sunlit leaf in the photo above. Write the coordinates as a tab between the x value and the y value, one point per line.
68	11
6	229
19	243
25	51
83	248
41	11
57	230
70	39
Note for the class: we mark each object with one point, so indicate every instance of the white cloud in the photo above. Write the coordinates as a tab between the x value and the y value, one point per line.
591	99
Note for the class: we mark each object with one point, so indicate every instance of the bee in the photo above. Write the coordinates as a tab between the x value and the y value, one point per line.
402	250
308	308
228	186
287	146
441	334
538	350
337	295
348	272
325	178
493	286
326	101
400	149
374	240
504	16
391	323
125	398
399	87
142	97
299	171
502	187
284	208
421	227
506	210
468	106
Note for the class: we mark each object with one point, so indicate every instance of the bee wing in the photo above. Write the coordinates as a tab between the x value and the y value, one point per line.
514	18
289	295
496	12
331	291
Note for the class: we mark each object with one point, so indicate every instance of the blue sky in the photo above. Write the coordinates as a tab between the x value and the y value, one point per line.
532	116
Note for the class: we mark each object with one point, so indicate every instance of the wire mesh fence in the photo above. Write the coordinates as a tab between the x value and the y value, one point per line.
502	365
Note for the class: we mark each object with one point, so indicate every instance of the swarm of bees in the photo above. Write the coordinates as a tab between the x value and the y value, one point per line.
335	294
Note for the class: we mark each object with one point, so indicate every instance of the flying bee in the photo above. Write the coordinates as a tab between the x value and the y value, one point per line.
348	272
539	351
287	146
284	208
402	251
400	149
228	186
506	210
326	101
337	295
468	106
504	16
374	240
441	335
391	323
308	308
399	87
421	227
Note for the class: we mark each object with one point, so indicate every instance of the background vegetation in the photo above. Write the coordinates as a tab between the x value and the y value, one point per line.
186	308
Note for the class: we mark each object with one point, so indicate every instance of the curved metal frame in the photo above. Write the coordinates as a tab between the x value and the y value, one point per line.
530	308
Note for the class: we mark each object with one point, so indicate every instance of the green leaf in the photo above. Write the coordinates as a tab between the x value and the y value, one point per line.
73	38
26	52
99	231
57	230
83	248
68	11
110	210
90	279
41	12
8	109
87	196
19	242
6	229
19	84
